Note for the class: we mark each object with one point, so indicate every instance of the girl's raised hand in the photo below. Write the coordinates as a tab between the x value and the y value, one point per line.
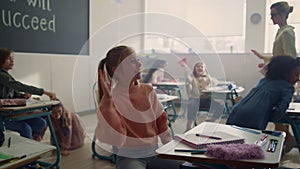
104	86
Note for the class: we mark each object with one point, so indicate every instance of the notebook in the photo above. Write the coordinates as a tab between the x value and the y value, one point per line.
199	142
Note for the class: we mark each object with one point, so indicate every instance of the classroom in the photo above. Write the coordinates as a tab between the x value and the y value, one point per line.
58	46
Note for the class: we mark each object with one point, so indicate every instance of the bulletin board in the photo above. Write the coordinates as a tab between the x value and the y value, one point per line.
45	26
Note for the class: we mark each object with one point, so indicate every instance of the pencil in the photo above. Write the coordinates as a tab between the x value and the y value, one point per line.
191	151
187	150
207	136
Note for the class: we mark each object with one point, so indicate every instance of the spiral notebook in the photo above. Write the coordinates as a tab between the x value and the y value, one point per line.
199	142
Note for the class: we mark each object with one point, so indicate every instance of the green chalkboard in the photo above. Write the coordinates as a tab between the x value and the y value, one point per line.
45	26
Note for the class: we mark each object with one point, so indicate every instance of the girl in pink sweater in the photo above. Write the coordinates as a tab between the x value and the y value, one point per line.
130	117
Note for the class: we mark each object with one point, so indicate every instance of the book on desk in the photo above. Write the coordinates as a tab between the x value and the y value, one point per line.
202	140
20	150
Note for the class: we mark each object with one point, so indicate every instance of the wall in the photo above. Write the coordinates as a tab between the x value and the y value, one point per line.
56	72
72	77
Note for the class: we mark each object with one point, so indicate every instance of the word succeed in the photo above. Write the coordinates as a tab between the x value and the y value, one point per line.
25	21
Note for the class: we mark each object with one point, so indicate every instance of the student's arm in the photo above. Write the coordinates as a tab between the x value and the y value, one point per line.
155	77
107	108
162	120
109	128
164	131
187	74
286	97
27	95
51	95
8	81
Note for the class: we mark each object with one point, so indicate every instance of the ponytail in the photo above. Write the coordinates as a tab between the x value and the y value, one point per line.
100	67
112	60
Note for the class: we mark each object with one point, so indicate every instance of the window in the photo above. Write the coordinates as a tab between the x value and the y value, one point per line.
220	22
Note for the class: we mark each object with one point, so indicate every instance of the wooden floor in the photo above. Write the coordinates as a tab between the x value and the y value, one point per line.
82	158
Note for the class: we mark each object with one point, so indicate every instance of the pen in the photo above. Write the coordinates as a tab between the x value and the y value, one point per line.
262	140
206	136
191	151
198	152
9	141
187	150
274	133
246	129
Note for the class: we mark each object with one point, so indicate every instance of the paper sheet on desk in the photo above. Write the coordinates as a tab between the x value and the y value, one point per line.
217	88
162	96
32	101
27	147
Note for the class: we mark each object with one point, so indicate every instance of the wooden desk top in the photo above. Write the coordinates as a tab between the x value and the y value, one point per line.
223	89
31	148
271	160
163	98
169	84
30	105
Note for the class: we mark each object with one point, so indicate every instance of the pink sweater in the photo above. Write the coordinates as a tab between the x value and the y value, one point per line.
134	122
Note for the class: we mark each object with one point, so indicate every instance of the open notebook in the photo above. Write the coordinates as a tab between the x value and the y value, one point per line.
199	142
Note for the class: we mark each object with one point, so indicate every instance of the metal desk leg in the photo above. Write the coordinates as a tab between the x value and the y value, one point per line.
2	127
296	131
58	154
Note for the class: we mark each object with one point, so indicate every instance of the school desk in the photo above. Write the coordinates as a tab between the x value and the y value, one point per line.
171	88
222	92
33	108
293	118
168	102
28	151
271	160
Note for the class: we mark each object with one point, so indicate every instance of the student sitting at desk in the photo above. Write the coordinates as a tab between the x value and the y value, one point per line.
270	98
10	88
156	72
130	117
198	81
68	129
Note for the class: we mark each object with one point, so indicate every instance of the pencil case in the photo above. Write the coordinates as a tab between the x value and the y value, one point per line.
12	102
236	151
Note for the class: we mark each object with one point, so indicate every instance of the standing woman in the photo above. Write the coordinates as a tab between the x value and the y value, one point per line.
284	43
10	88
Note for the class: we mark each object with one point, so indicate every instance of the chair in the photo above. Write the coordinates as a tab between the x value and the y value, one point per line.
112	157
186	103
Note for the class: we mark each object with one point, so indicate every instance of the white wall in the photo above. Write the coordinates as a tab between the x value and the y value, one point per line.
72	77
